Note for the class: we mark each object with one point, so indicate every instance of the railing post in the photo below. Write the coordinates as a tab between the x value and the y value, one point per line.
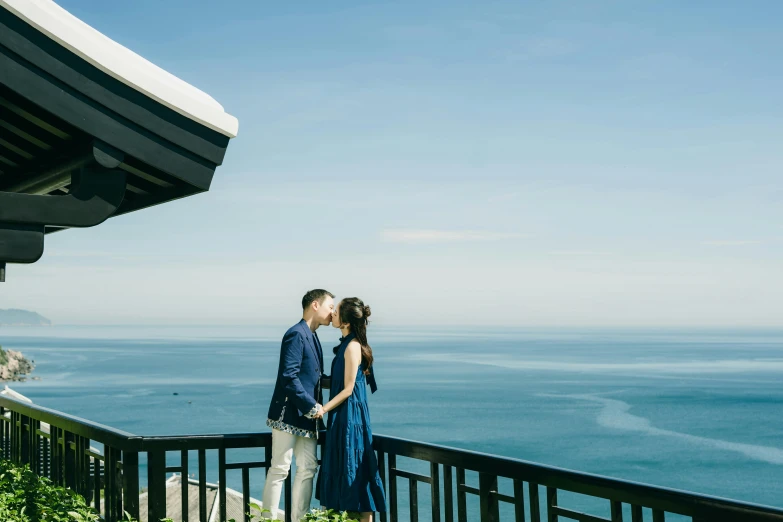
535	502
36	456
393	487
96	481
112	486
156	479
488	487
382	472
108	484
3	436
551	504
184	474
202	484
617	511
118	486
84	466
130	483
245	494
413	494
287	501
46	457
9	436
24	439
448	495
31	435
78	455
519	501
435	491
13	436
222	483
56	458
462	501
70	460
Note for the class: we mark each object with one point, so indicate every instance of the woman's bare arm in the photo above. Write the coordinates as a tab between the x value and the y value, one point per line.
353	358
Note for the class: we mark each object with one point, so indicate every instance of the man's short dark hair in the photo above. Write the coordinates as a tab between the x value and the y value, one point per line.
315	295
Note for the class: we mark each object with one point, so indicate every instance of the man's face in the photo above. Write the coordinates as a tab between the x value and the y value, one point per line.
324	311
336	317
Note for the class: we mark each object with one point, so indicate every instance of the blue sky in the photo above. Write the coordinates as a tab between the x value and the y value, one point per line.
494	163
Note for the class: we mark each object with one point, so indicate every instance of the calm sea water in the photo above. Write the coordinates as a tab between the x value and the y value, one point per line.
696	410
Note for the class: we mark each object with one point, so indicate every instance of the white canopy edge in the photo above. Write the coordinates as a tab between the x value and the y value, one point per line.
123	64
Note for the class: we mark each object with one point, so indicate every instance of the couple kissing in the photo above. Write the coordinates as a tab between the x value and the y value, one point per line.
349	479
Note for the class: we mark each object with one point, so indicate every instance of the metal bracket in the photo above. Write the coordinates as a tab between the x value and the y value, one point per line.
95	195
21	243
97	190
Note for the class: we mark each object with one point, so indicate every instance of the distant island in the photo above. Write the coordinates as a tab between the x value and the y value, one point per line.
14	317
14	366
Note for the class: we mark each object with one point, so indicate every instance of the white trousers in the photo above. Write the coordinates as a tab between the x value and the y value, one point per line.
284	447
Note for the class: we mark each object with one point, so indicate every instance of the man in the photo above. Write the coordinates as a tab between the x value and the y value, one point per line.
296	406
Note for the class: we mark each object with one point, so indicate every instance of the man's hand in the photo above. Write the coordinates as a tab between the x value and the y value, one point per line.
315	413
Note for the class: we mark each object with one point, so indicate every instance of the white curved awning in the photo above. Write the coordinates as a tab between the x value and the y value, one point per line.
123	64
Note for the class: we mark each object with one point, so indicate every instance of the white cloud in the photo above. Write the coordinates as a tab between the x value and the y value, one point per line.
407	235
729	243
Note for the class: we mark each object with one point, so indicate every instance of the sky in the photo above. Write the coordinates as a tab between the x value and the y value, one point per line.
603	163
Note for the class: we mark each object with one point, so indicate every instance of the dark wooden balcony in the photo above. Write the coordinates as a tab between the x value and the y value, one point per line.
457	484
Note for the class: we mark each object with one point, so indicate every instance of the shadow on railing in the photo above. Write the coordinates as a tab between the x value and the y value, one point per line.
58	446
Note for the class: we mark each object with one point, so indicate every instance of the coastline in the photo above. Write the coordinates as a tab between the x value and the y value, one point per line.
14	366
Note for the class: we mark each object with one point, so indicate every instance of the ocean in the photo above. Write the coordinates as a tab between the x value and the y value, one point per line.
697	410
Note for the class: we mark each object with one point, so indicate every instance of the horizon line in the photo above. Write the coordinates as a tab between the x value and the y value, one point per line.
721	326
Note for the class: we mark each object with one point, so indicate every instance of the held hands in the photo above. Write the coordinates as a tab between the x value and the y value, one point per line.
316	412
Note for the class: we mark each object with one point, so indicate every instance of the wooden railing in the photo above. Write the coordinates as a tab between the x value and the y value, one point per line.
63	453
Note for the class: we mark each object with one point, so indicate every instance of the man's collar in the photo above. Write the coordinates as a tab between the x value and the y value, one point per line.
306	327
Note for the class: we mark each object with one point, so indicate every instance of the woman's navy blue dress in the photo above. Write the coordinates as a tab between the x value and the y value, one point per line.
349	478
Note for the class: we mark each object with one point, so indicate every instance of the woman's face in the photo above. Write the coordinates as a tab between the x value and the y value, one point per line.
336	317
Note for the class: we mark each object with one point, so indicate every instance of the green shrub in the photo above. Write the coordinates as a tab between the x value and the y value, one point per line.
328	515
26	497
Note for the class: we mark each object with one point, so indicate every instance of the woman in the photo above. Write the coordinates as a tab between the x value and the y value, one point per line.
350	480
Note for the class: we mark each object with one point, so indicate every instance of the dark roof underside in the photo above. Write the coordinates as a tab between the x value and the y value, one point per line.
39	152
56	110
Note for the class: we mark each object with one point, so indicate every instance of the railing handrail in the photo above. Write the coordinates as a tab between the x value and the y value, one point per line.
209	441
77	425
631	492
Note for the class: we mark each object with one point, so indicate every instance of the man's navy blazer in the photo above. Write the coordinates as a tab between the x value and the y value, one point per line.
298	387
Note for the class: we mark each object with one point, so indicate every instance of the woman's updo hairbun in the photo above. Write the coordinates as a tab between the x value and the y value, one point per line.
355	315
